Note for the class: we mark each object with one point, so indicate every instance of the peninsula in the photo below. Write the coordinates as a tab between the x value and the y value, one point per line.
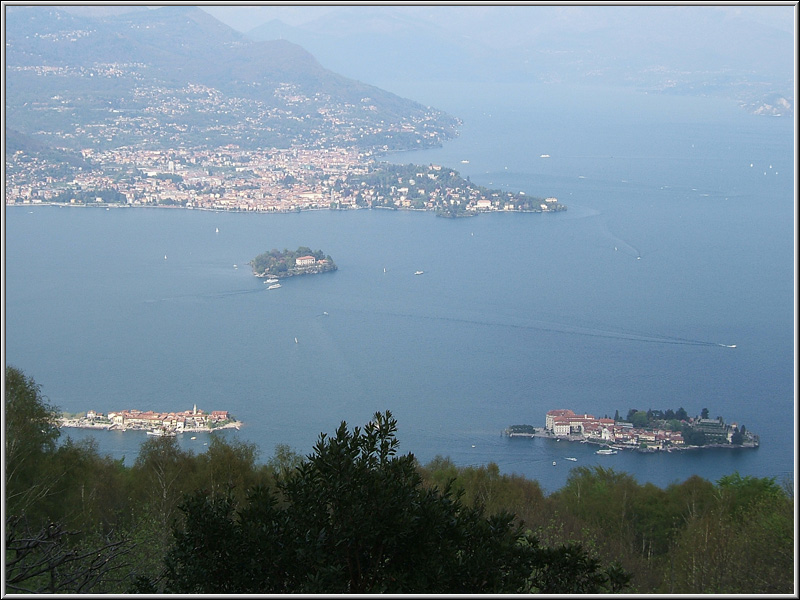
303	261
155	423
644	431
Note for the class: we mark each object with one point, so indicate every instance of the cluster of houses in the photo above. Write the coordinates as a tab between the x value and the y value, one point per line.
187	420
564	423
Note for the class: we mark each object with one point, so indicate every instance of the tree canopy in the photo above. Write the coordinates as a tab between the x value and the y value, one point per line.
354	517
31	431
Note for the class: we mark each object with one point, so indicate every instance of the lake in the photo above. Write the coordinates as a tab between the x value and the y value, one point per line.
672	248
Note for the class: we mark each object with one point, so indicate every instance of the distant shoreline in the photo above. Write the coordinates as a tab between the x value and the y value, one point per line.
436	212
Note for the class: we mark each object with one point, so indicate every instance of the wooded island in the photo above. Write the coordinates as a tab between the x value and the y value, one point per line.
303	261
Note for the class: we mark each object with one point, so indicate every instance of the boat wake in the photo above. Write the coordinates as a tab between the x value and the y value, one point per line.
206	296
577	330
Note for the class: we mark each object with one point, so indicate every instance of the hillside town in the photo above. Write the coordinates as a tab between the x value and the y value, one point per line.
155	423
659	434
230	178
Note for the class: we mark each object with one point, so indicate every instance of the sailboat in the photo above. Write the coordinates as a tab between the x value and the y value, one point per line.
217	230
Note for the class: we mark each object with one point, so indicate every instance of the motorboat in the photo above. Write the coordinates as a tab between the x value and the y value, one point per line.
161	432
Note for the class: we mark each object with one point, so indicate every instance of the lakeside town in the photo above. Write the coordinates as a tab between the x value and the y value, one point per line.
230	178
155	423
194	146
643	431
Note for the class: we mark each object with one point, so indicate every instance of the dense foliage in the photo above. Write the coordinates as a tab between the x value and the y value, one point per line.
354	516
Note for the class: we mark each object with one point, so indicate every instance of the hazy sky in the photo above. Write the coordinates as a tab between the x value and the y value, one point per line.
780	15
245	18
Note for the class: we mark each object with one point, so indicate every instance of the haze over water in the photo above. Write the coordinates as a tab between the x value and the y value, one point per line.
673	248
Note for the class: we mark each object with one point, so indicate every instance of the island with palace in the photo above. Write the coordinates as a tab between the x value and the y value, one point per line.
275	265
645	431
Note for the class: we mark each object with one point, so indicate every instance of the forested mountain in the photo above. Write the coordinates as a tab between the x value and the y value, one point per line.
174	76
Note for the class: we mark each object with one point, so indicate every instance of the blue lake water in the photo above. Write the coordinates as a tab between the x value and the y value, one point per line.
673	247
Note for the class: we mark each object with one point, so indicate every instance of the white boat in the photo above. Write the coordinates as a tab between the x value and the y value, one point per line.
274	286
295	341
554	463
418	272
464	162
161	432
217	230
542	156
271	280
606	451
571	458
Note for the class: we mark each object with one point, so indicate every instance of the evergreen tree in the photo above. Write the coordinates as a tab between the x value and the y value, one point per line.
354	517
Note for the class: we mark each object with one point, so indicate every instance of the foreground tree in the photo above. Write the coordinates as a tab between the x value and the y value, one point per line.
31	433
354	517
60	533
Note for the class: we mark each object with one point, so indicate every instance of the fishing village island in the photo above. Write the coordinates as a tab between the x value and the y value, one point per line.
642	431
154	423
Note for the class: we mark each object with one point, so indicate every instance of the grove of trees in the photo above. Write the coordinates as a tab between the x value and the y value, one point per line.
356	516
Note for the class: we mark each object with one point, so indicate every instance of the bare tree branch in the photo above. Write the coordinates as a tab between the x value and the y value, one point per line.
42	561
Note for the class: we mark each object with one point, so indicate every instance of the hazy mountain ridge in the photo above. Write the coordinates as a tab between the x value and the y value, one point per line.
66	71
655	48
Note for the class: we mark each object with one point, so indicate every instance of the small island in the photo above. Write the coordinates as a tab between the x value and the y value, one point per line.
644	431
154	423
303	261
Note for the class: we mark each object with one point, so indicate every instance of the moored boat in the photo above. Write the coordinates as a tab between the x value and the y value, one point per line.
161	432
